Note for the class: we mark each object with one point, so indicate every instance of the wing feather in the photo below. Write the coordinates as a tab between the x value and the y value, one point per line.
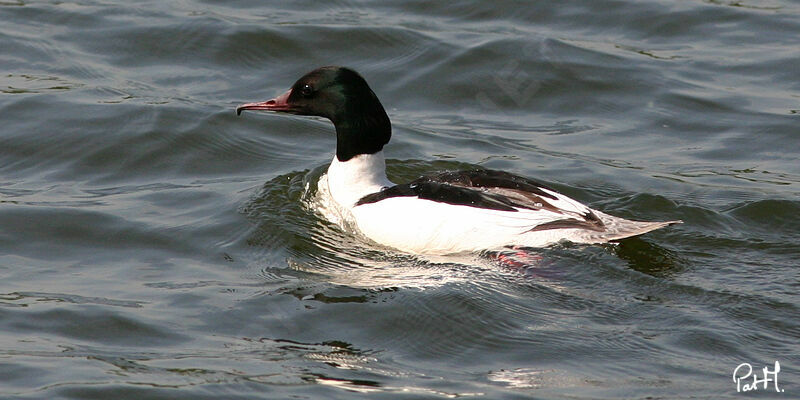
500	191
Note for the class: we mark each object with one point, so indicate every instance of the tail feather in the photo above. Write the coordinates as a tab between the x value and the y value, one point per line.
621	228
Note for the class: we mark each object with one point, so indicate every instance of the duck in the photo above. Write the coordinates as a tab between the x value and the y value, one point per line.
450	212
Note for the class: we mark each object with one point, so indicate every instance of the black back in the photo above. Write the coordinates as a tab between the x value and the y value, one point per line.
459	188
441	192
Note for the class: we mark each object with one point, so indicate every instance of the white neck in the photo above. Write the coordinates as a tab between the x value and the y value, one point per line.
361	175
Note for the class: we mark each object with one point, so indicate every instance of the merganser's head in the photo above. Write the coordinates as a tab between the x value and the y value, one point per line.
342	96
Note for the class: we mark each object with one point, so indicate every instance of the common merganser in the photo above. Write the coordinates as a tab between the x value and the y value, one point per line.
450	212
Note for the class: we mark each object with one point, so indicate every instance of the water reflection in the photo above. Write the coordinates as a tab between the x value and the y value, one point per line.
649	258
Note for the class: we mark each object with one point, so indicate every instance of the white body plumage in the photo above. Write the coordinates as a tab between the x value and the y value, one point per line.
423	226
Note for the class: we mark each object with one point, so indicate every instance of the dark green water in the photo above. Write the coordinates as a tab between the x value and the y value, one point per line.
155	246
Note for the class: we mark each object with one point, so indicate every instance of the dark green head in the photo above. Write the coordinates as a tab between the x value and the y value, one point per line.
342	96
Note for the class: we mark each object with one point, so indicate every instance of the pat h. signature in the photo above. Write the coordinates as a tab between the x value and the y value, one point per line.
744	371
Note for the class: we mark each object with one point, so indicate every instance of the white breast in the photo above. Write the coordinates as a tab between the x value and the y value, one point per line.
361	175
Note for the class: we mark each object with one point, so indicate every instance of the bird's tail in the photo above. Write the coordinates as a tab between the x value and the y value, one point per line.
621	228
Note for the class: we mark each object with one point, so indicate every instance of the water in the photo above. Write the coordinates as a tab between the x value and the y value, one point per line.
155	246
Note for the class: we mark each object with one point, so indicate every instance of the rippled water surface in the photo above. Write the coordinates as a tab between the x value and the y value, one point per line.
153	245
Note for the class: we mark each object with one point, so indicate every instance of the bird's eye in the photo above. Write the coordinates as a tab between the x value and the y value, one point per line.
306	90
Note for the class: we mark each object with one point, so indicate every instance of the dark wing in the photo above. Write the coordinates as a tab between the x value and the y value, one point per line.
488	178
495	190
443	193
